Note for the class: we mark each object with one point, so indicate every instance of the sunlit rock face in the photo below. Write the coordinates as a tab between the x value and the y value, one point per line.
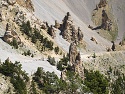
69	30
11	2
11	35
75	60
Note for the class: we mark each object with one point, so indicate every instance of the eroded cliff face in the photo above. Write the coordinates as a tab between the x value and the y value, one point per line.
118	9
26	3
69	30
105	21
75	60
11	35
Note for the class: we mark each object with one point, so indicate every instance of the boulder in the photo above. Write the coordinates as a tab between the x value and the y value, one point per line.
57	25
94	40
91	27
108	49
102	3
9	36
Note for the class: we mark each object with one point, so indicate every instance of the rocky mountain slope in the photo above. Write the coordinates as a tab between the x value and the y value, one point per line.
57	10
28	34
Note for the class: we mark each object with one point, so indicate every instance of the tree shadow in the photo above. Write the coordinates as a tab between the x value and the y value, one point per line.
1	38
98	27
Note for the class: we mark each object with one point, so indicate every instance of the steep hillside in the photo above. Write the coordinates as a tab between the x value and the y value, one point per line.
103	60
14	16
119	12
81	12
65	46
55	10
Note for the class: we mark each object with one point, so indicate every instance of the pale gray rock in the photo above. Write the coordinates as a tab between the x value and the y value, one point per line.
11	2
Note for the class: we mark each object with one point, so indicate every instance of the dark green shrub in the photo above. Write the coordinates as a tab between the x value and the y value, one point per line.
33	39
56	50
96	82
51	60
18	77
26	28
14	44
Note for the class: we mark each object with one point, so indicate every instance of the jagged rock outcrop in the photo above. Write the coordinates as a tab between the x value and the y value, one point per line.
10	35
102	3
80	35
57	25
72	53
29	4
69	31
63	74
51	31
44	26
4	3
106	22
20	17
11	2
94	40
26	3
75	60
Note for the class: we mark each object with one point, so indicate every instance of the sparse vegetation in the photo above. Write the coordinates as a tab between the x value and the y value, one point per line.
96	82
111	81
18	77
26	28
118	86
35	36
51	60
48	82
56	49
28	53
14	44
63	63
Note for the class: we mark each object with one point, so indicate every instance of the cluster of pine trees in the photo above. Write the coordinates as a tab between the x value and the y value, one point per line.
50	83
35	35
